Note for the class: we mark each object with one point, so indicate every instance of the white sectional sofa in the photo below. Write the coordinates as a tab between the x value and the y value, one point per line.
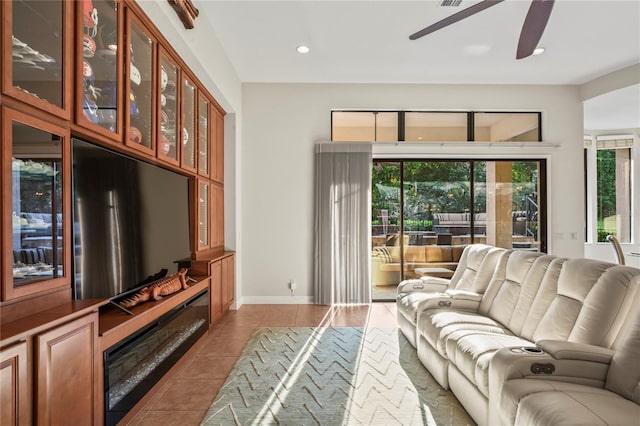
502	332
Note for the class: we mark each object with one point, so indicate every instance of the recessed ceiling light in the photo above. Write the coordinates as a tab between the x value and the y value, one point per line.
302	49
538	51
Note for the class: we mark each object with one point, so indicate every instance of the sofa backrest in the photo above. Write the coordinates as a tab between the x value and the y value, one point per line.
476	267
547	292
593	298
623	376
514	286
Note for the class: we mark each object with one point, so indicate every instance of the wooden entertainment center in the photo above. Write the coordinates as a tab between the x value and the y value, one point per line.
98	70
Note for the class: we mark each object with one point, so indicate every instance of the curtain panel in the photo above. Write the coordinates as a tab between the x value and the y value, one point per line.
342	220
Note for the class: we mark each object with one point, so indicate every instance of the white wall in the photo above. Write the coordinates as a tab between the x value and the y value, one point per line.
282	122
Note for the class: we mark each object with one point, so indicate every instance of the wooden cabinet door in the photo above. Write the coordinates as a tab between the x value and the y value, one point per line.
99	48
36	205
38	70
216	291
14	395
228	281
168	133
139	83
203	215
66	377
217	154
217	216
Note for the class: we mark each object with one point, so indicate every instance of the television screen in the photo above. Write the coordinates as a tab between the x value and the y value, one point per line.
130	221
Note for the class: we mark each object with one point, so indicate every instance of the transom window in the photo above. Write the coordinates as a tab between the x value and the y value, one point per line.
435	126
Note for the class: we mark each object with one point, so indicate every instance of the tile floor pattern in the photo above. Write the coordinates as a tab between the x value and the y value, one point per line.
186	396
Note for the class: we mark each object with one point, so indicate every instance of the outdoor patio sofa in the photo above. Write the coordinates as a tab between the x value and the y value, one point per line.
385	262
459	223
527	338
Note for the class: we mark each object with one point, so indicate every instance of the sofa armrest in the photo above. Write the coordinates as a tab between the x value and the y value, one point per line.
464	295
430	285
535	363
561	350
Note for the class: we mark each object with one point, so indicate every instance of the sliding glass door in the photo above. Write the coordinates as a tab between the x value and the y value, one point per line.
445	205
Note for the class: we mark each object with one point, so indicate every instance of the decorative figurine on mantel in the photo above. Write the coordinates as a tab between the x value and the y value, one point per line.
162	287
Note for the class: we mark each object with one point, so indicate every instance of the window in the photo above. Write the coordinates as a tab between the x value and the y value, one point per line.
435	126
431	207
365	126
613	188
506	126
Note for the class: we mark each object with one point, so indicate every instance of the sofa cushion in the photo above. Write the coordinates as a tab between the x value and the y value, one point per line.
437	325
551	402
471	352
415	254
382	253
435	253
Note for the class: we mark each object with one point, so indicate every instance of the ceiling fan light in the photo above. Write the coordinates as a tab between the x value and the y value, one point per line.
302	49
538	51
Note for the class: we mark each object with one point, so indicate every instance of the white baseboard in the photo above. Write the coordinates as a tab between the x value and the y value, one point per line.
277	300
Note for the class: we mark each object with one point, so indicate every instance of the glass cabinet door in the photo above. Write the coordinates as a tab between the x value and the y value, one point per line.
34	250
167	137
97	42
203	215
139	87
38	68
188	124
203	135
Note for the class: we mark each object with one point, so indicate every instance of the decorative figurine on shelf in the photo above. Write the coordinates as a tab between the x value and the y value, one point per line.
163	287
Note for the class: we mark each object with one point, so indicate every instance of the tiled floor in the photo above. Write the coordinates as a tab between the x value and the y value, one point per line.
186	396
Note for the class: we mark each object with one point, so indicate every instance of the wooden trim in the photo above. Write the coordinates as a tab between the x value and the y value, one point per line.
47	318
15	309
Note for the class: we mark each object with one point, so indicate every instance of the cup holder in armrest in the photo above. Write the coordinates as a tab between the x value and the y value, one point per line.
532	350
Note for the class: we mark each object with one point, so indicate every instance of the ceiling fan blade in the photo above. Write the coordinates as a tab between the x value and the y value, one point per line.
533	27
459	16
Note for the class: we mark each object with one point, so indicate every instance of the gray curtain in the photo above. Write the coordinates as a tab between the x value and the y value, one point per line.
342	273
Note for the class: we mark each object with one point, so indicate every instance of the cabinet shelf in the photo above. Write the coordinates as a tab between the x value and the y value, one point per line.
21	329
116	325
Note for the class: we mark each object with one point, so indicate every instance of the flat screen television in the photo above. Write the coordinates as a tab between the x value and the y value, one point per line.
130	222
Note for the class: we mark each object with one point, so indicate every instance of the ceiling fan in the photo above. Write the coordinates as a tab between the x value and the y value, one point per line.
532	29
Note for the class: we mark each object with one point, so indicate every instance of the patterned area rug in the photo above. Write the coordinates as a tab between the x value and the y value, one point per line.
332	376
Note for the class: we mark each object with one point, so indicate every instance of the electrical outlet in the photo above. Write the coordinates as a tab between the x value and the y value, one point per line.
292	285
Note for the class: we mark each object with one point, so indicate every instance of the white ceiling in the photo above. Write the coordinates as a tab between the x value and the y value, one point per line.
366	41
